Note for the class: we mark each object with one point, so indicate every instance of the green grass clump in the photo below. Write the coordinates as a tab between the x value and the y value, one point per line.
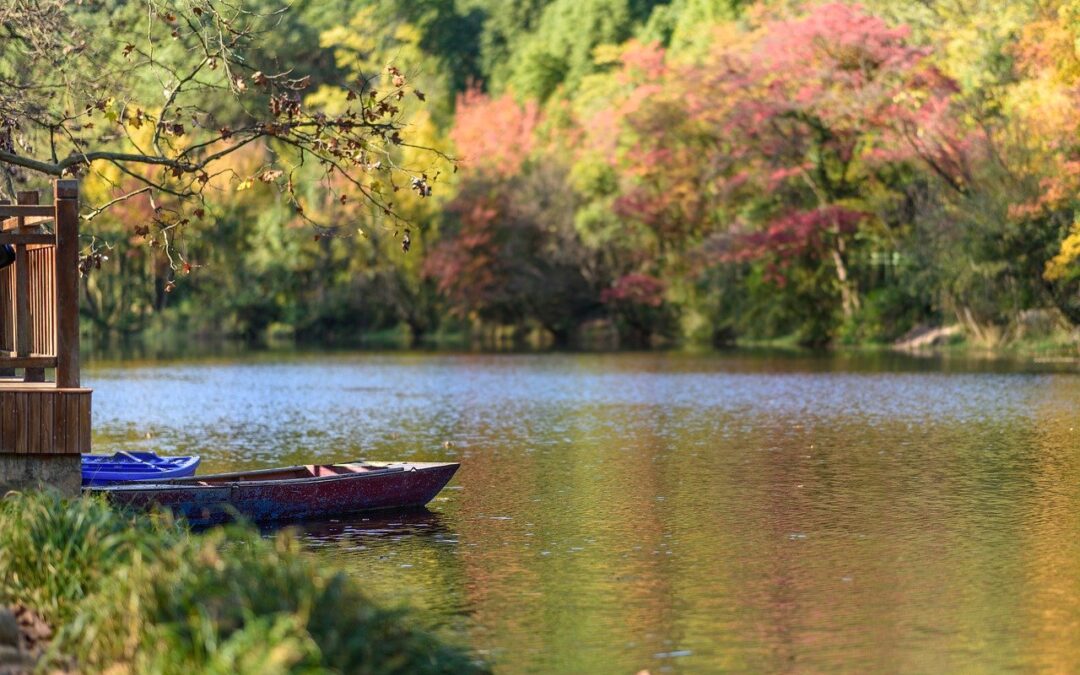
136	593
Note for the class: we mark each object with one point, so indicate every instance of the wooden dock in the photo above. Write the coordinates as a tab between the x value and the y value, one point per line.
44	412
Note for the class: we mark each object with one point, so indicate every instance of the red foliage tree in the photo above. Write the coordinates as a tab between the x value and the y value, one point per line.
635	289
497	134
509	253
468	265
636	301
777	141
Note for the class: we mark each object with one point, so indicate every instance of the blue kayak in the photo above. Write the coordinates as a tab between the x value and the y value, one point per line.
126	466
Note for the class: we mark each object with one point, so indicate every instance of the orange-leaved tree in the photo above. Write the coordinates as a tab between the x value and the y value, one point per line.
151	97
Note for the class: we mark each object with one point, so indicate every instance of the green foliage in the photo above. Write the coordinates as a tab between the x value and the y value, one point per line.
53	555
504	24
785	168
144	593
679	24
560	51
886	313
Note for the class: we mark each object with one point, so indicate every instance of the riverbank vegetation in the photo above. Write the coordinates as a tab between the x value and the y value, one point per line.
644	172
131	593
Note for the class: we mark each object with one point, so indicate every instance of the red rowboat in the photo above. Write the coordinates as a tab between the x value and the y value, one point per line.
292	493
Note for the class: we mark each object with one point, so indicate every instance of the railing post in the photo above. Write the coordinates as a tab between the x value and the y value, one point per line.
6	318
24	307
67	283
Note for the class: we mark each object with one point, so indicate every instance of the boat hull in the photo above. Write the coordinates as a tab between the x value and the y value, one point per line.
129	466
265	496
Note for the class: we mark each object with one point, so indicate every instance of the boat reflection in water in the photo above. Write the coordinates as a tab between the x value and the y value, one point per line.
358	532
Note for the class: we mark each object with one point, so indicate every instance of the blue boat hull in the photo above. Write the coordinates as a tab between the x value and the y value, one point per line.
122	467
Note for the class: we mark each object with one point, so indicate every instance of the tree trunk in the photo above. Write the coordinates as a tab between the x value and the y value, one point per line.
849	297
987	335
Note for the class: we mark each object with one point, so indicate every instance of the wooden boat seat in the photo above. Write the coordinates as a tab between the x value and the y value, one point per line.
320	470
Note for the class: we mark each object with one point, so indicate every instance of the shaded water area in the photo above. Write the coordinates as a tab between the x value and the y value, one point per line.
677	513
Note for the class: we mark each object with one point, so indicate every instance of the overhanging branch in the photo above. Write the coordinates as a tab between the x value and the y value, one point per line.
60	167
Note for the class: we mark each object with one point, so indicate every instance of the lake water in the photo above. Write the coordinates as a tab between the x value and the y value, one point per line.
689	514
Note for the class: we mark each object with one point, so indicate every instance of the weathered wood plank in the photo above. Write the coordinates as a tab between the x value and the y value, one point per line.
28	238
33	402
27	362
21	426
19	386
48	423
22	287
60	423
38	224
72	445
34	290
7	309
24	210
84	423
7	413
37	313
52	295
67	283
13	414
7	304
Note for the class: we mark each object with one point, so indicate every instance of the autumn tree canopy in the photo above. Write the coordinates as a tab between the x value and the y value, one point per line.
155	94
659	171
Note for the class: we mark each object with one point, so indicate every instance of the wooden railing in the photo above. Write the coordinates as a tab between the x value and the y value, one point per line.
39	327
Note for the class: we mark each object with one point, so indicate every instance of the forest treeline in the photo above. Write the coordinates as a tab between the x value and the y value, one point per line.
635	172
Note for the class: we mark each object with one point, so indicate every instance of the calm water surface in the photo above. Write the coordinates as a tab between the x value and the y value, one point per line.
675	513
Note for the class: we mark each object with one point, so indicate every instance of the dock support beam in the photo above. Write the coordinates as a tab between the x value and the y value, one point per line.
62	473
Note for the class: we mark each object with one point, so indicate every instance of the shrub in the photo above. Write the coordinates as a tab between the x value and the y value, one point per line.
145	594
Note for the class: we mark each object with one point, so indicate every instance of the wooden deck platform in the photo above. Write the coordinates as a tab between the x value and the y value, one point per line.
44	412
44	420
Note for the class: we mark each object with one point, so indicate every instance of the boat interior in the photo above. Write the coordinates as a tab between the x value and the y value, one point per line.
287	473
